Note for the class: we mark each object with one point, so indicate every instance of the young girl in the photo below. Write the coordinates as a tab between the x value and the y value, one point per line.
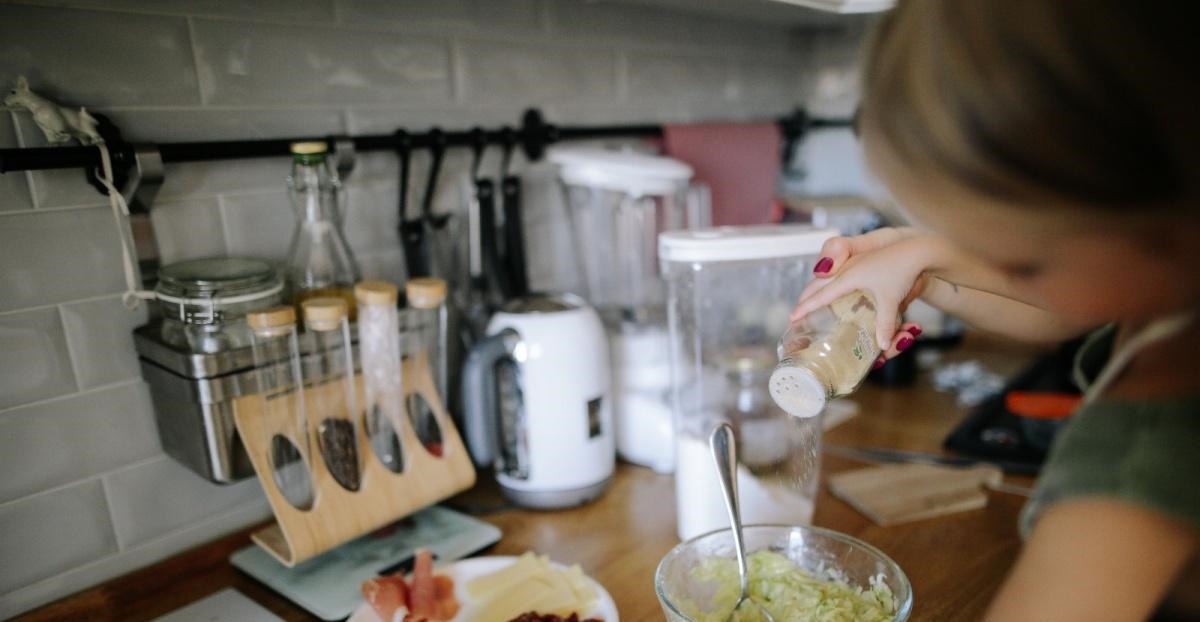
1049	154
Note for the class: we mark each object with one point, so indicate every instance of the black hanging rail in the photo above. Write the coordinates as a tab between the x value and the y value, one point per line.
533	136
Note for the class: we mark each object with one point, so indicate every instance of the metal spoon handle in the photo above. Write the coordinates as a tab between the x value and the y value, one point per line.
724	451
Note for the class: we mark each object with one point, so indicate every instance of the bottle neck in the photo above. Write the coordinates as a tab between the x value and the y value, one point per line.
314	192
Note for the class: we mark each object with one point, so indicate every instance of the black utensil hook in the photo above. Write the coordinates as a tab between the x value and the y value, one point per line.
478	140
508	142
437	150
412	230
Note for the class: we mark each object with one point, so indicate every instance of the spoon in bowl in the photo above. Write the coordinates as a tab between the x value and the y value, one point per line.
724	453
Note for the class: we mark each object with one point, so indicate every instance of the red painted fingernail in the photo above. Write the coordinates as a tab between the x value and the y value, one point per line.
903	344
879	362
915	331
823	266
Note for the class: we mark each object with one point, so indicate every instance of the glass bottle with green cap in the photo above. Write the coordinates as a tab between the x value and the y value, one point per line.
320	262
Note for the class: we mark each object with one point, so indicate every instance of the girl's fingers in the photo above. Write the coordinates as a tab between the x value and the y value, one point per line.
828	292
834	253
886	328
813	287
902	341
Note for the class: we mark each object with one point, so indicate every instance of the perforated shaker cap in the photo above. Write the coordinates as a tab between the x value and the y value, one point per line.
797	391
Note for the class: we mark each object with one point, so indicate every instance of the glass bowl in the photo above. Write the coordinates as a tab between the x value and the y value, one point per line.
819	551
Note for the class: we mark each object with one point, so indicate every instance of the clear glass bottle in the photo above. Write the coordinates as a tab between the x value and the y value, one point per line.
826	354
379	356
276	354
320	262
331	394
426	322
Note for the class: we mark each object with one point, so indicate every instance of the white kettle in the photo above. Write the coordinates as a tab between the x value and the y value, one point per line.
537	402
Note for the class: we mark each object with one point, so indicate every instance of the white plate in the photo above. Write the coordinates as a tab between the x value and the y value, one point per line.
464	570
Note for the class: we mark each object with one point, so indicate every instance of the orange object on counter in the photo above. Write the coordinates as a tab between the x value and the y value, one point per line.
1042	405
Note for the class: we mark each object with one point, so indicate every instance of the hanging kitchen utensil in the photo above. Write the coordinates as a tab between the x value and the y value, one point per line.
437	150
483	296
411	229
516	278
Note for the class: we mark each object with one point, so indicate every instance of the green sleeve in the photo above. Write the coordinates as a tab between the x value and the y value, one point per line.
1146	453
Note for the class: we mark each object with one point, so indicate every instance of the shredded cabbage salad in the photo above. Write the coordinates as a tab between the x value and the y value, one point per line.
789	593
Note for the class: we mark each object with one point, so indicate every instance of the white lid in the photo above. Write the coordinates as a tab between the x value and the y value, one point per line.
740	243
636	174
797	391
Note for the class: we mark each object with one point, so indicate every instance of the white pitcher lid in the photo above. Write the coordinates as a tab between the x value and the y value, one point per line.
636	174
742	243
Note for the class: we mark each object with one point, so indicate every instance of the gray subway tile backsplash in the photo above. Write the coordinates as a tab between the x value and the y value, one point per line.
59	441
136	494
34	357
188	228
520	74
55	256
78	442
320	11
99	58
244	63
446	16
258	225
14	187
101	340
52	533
680	80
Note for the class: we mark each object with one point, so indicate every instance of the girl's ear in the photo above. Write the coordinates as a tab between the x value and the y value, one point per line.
22	83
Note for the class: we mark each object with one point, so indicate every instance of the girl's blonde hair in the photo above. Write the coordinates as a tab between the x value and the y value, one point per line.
1084	102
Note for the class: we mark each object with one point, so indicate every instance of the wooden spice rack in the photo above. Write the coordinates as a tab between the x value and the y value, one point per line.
338	515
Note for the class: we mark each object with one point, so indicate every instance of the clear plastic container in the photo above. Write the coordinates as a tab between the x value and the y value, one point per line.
379	355
730	291
320	263
277	361
618	202
825	354
331	396
204	302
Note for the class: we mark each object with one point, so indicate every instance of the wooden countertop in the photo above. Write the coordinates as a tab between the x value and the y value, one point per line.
955	563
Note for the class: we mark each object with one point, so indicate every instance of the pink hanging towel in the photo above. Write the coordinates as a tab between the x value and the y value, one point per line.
740	163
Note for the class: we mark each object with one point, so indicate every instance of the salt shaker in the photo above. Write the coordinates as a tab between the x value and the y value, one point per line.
379	354
332	396
825	354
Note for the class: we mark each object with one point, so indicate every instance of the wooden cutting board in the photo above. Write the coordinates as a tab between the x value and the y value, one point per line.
900	493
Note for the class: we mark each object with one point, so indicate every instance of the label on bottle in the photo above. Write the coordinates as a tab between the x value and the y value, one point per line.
863	345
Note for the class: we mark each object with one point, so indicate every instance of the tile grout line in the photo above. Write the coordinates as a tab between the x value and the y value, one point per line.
71	353
223	218
82	392
458	71
151	542
140	462
112	516
97	298
200	79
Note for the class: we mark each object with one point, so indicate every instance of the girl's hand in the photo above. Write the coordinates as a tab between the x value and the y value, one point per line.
890	264
836	251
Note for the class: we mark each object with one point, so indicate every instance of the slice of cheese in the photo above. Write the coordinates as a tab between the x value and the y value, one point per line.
484	587
532	583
